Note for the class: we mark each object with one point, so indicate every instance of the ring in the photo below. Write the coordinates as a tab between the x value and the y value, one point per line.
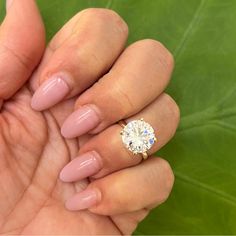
137	136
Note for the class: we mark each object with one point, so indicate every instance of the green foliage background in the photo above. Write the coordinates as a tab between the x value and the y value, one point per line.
202	37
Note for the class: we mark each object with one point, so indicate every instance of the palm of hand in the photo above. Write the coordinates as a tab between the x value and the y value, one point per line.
32	154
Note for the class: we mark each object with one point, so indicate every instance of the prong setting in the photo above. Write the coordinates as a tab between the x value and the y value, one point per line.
138	136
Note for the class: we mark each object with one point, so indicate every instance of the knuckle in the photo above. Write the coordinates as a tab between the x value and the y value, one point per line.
107	15
125	103
167	180
173	108
162	178
22	59
164	56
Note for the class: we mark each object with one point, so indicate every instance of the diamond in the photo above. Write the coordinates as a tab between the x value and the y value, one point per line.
138	136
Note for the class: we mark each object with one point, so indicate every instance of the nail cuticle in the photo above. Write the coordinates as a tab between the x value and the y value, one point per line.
98	197
95	109
63	75
97	158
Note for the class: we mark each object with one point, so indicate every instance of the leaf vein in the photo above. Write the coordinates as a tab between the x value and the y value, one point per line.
109	4
196	18
227	197
206	118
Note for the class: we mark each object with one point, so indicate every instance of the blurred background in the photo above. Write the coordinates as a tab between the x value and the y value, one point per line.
202	38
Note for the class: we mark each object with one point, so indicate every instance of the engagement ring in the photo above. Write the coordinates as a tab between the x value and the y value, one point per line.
138	136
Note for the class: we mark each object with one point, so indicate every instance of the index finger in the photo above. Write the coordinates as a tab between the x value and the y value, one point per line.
80	53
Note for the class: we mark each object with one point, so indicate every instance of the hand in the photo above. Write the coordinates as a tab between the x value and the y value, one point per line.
33	150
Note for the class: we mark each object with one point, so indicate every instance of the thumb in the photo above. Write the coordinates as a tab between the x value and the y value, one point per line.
22	42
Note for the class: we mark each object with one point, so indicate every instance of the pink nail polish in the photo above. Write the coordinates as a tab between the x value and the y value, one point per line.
81	167
8	4
83	200
80	122
50	93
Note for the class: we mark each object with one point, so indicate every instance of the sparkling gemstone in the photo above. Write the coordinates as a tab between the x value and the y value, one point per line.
138	136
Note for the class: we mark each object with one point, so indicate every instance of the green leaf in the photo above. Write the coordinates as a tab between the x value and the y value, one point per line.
202	37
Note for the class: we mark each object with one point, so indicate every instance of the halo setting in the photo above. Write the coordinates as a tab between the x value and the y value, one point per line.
138	136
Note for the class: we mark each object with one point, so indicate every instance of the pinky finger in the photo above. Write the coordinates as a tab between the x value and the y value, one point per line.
144	186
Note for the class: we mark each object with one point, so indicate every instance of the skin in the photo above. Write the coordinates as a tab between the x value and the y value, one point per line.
33	150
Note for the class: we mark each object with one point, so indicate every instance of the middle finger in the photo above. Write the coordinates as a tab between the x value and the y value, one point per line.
138	77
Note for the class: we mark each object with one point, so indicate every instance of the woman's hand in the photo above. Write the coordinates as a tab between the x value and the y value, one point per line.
34	151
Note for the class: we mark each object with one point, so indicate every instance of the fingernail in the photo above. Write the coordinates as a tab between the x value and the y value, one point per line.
50	93
8	4
81	167
83	200
80	122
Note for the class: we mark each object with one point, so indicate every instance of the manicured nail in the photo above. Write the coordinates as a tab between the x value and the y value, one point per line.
50	93
81	167
8	4
80	122
83	200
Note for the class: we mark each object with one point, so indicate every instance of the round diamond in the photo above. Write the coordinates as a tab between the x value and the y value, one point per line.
138	136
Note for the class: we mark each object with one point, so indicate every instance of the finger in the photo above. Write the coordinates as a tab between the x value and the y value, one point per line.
106	153
137	78
129	221
83	50
144	186
22	40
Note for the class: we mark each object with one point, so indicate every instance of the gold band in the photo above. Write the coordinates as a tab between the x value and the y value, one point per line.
144	155
122	123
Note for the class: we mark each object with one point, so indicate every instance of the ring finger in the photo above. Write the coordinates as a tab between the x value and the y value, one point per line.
105	153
